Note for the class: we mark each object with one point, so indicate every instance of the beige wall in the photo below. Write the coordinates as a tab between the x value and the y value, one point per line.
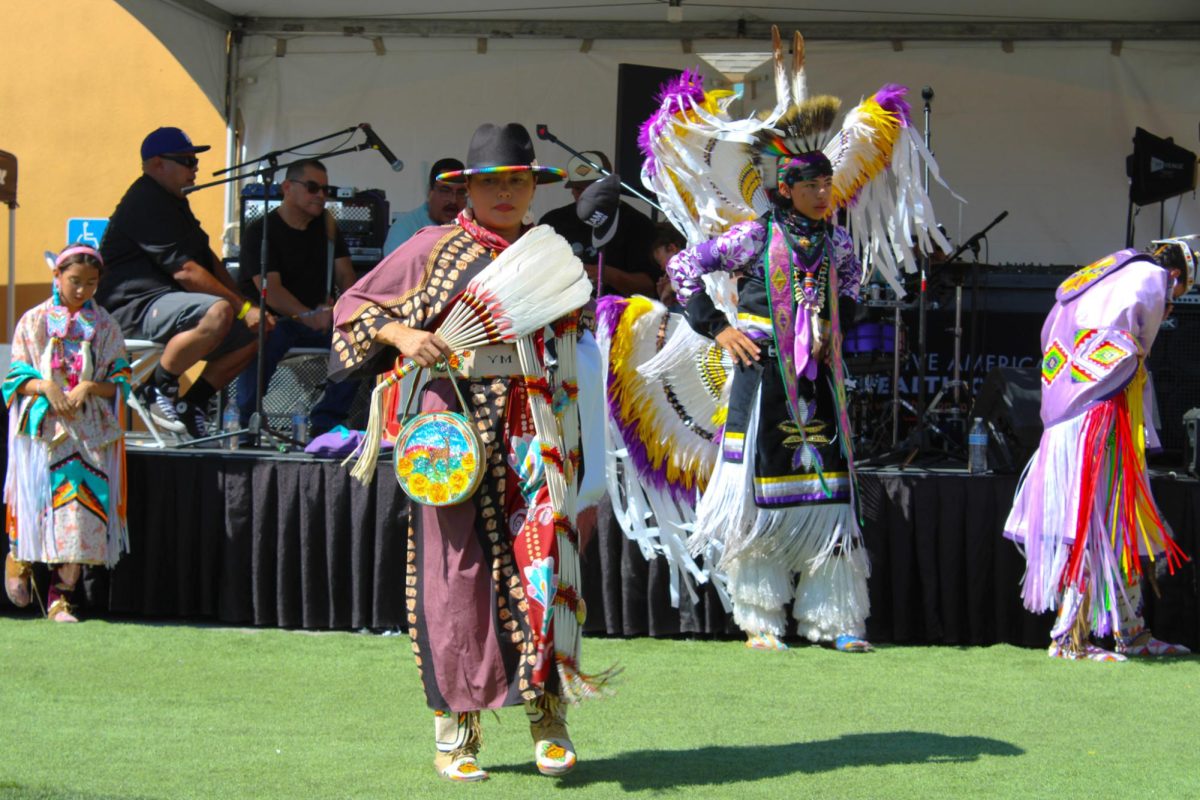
81	83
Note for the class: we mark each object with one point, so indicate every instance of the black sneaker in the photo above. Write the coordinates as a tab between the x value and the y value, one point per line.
162	409
193	418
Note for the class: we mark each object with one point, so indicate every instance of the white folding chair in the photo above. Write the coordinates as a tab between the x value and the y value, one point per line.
143	358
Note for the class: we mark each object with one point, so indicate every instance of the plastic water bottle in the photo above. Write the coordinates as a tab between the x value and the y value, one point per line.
977	443
300	428
229	425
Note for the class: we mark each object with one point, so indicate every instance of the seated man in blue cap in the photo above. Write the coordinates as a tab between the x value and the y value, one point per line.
165	283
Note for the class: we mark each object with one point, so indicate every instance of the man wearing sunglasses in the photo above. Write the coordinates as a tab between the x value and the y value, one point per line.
441	206
307	259
163	282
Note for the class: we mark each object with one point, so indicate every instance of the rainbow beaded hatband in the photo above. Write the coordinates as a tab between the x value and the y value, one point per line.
496	150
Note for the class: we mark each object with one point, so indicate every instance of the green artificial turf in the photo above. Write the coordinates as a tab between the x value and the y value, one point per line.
126	710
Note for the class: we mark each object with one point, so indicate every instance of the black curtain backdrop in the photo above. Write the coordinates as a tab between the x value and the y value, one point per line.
297	543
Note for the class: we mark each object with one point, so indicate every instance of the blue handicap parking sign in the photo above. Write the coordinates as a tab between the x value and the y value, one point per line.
86	230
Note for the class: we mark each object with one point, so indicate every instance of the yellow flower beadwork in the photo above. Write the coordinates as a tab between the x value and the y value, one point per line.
404	466
418	483
438	493
458	481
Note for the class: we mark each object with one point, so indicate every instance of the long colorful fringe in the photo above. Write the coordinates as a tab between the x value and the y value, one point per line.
1085	514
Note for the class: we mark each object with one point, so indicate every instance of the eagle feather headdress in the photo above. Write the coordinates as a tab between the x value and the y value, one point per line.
706	167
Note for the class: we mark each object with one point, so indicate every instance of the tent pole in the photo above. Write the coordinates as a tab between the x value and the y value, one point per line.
12	271
232	58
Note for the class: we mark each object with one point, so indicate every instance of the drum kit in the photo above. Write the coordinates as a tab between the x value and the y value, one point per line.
876	350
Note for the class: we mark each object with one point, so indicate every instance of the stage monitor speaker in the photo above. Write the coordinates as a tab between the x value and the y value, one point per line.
1010	403
297	386
637	99
1158	169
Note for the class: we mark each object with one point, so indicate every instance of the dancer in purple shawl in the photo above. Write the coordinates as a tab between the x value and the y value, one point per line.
1083	514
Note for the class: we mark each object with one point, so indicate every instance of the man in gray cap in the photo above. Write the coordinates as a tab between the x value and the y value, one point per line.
629	266
164	283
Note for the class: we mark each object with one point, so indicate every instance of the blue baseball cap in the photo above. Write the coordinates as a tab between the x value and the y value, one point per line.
169	140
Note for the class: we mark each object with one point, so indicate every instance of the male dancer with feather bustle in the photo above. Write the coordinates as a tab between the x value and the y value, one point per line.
1084	516
479	612
781	501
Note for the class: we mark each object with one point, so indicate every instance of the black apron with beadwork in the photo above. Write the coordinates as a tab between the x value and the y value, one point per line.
795	462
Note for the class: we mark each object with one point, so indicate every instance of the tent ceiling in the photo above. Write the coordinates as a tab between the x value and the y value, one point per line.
1039	127
704	19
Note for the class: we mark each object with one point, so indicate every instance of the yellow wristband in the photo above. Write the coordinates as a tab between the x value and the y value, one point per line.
245	310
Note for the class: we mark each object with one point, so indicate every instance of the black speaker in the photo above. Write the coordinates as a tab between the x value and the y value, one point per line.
1174	366
1158	169
1010	404
637	99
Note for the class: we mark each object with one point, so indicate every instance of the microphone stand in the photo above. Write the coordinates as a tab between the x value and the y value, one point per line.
543	132
258	427
917	441
971	244
922	297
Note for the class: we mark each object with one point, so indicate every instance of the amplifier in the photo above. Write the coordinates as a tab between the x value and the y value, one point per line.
361	217
1174	365
1191	298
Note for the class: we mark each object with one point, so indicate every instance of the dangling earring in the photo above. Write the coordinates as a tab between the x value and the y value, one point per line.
527	220
54	293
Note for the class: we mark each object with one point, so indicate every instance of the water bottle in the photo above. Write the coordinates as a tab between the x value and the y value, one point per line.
977	442
300	428
230	424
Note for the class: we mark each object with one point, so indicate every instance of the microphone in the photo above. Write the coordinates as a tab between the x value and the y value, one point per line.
973	242
377	144
543	133
927	93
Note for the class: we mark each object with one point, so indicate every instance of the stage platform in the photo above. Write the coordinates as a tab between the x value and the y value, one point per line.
244	538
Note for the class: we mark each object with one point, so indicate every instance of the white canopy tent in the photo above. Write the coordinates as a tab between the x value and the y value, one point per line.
1033	113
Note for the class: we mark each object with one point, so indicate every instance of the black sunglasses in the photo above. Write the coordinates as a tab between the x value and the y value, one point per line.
313	188
191	162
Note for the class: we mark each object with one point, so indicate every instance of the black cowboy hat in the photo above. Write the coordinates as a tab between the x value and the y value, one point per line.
502	149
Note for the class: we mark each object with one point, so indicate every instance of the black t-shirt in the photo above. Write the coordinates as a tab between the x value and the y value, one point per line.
629	249
150	235
299	256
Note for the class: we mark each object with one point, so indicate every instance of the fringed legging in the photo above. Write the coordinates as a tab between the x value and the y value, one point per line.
1078	619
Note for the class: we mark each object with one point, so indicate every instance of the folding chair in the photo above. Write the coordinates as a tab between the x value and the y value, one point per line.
143	358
